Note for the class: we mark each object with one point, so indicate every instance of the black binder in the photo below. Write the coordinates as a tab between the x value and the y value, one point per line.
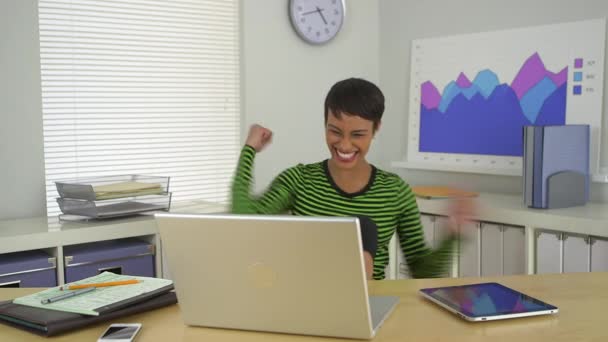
51	322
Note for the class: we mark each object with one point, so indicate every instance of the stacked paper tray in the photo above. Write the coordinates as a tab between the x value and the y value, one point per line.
113	196
110	187
114	208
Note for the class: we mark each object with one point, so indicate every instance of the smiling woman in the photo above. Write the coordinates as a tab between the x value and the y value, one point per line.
346	184
348	140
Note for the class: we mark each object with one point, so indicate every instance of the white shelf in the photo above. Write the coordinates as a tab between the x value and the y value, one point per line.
589	219
42	232
47	232
452	168
600	178
597	178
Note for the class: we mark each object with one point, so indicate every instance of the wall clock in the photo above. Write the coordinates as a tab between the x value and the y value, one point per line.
317	21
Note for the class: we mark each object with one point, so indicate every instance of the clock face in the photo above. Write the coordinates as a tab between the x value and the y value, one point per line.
316	21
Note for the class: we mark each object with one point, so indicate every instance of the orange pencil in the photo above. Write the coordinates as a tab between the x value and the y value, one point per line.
109	283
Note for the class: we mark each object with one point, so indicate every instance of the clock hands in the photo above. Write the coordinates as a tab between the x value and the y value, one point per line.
317	10
310	12
321	14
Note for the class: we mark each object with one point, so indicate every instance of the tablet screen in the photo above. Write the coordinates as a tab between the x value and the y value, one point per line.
486	299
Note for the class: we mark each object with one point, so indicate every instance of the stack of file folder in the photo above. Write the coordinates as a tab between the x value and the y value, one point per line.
28	312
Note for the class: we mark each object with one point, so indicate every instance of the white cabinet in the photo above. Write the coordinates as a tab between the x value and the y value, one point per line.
514	250
469	250
558	252
599	254
491	249
576	253
548	252
503	249
486	249
534	243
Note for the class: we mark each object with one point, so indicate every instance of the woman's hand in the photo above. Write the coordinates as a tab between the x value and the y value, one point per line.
259	137
460	211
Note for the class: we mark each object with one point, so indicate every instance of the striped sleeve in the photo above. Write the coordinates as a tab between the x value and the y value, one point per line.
422	261
277	199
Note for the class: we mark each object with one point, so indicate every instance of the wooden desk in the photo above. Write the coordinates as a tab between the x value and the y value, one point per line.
581	297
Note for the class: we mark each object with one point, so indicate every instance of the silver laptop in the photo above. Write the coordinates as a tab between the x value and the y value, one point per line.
289	274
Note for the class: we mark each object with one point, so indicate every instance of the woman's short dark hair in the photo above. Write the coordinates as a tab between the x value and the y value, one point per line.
355	96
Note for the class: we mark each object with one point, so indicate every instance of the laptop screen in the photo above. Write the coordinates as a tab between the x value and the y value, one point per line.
486	299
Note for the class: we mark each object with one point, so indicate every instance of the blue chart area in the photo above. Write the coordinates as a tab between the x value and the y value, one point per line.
485	116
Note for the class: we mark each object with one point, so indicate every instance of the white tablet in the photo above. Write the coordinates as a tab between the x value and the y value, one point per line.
487	301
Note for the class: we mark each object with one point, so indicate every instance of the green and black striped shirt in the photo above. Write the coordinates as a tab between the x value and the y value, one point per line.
309	190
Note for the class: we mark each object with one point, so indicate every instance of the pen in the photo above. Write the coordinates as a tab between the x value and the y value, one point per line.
66	295
109	283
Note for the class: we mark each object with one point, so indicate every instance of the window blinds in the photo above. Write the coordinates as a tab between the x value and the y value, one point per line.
141	87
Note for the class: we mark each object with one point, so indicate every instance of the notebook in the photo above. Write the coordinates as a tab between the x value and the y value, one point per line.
50	323
103	299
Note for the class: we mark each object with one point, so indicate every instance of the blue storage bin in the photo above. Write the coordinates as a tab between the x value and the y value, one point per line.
28	269
124	256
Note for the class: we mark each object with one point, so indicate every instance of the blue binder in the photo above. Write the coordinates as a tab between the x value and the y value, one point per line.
556	166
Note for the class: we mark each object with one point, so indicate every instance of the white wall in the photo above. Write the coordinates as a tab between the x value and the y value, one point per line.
284	84
401	21
21	144
285	80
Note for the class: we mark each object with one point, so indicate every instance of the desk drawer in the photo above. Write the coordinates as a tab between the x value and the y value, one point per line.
124	256
28	269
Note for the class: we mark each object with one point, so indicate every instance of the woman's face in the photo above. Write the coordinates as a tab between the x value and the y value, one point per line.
348	139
